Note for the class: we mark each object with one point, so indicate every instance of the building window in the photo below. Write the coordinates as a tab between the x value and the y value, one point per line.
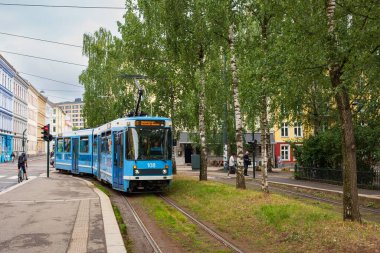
284	152
284	130
297	129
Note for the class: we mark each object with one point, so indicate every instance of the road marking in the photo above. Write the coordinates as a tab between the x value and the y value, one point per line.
15	177
2	176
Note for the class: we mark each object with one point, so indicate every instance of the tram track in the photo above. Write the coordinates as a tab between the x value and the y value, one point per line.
303	195
202	225
309	196
145	231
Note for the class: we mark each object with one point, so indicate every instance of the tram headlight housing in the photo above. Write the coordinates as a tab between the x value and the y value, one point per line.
164	171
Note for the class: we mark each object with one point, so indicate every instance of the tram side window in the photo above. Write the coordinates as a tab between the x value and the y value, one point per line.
95	145
60	145
106	143
84	144
130	150
109	142
67	145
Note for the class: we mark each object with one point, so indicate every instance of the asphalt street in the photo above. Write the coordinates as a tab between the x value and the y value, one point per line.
8	171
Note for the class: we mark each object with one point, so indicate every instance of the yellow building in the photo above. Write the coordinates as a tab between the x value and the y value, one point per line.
286	133
32	120
41	121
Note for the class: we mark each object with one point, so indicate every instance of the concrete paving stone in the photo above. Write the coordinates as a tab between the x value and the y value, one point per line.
116	249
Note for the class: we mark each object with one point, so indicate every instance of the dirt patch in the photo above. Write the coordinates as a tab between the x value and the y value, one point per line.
137	240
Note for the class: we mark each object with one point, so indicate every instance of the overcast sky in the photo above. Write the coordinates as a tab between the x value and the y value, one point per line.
66	25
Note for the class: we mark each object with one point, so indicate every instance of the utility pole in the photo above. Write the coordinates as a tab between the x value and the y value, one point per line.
225	146
47	137
254	144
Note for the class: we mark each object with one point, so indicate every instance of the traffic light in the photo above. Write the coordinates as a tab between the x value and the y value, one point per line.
46	133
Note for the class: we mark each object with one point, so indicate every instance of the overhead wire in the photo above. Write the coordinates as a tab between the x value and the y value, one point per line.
64	6
43	58
49	41
77	85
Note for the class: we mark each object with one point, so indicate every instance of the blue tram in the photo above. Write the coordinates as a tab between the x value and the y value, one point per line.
132	154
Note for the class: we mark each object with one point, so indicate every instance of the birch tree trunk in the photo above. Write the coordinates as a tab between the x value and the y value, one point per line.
240	180
264	116
202	128
264	155
350	190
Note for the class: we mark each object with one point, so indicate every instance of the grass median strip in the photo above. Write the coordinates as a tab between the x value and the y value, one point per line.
191	238
268	223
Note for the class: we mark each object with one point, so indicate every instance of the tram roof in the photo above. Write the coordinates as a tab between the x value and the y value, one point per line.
122	122
127	121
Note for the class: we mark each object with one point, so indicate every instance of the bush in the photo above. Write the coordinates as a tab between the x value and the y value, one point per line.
324	151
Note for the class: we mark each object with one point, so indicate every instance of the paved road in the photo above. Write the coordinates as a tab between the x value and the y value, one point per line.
8	171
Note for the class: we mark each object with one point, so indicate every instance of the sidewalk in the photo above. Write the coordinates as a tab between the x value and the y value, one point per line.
286	178
58	214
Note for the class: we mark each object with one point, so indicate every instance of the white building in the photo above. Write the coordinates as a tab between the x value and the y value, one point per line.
58	123
20	114
75	111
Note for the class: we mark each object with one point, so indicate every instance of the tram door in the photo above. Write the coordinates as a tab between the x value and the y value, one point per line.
118	159
75	169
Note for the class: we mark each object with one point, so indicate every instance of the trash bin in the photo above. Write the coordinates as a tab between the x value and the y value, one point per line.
195	162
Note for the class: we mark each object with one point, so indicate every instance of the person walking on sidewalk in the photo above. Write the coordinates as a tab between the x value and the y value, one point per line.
246	163
231	164
23	164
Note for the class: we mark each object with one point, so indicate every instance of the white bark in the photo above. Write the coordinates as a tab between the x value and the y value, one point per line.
240	181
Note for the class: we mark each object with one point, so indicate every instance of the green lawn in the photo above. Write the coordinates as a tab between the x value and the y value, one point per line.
259	222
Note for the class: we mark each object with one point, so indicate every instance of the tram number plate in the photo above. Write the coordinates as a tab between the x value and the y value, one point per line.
151	165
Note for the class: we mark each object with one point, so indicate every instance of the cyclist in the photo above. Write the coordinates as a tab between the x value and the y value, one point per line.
23	164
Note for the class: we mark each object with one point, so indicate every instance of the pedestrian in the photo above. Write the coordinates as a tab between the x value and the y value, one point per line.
231	164
22	163
246	163
13	157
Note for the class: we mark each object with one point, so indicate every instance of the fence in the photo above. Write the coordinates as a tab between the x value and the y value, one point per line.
366	179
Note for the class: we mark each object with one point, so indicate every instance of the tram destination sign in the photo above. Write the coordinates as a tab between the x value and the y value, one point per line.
150	123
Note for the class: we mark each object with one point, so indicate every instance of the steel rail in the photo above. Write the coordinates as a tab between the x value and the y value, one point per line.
203	226
316	198
151	241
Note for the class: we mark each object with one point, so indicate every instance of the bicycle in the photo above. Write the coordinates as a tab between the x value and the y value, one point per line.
21	175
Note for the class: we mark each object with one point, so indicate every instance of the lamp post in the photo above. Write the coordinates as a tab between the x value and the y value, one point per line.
23	141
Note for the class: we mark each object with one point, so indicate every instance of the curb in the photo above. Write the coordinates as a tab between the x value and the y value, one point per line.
114	240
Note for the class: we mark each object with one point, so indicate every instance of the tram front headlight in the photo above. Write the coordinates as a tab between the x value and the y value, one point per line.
164	171
137	172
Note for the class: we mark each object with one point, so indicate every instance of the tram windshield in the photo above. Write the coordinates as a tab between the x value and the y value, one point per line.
149	144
